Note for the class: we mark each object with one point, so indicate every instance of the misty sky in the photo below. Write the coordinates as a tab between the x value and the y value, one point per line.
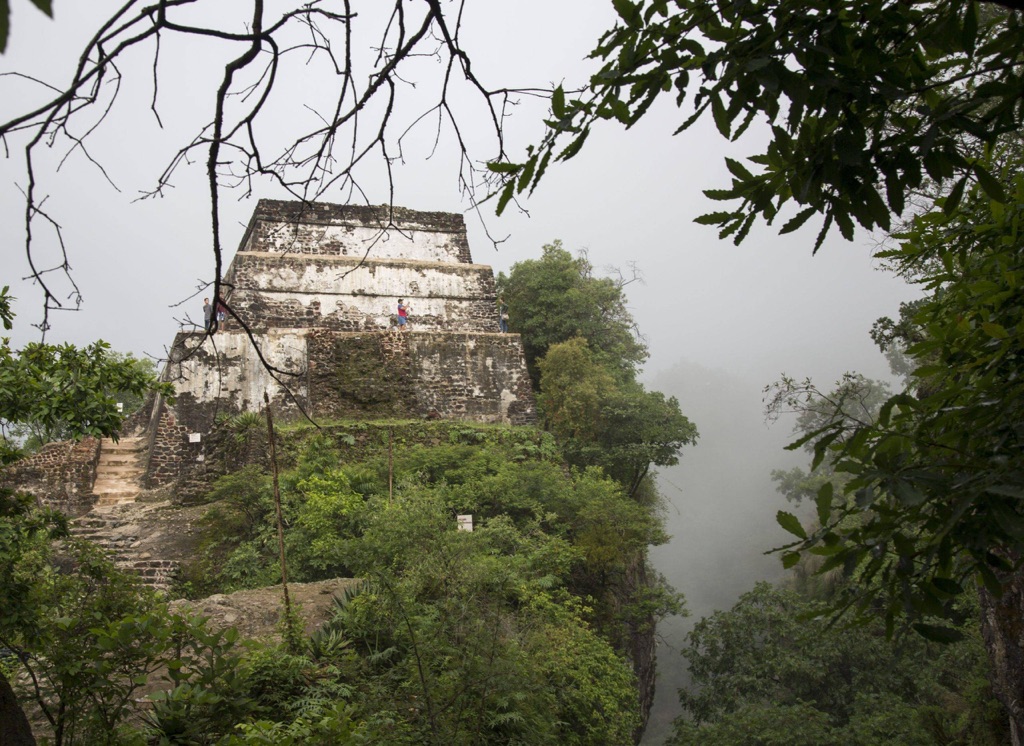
729	318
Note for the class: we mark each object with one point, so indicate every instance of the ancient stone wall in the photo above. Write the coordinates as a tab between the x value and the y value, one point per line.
474	377
60	475
356	231
170	452
361	375
223	374
478	377
275	291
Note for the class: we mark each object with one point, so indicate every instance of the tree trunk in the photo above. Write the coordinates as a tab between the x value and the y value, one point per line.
14	727
1002	627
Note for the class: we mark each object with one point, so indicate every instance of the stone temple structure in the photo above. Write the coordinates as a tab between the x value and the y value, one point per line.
315	289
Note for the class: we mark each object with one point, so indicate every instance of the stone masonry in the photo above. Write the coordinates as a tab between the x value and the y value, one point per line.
317	288
60	475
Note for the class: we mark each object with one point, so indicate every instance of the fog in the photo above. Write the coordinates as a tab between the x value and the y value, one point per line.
721	321
721	512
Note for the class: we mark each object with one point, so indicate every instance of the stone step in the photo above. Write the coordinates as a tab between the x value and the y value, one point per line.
113	485
118	464
124	443
122	448
94	534
128	457
92	520
112	498
112	501
115	460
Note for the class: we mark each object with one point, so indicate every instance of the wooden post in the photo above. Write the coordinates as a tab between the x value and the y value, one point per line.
280	527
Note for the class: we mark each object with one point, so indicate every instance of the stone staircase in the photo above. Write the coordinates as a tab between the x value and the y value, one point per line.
119	471
109	524
105	528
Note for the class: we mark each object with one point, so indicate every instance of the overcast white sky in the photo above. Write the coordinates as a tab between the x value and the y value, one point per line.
631	197
753	311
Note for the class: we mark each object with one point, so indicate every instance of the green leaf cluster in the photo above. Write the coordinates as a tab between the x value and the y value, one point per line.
865	101
935	483
600	420
54	392
557	298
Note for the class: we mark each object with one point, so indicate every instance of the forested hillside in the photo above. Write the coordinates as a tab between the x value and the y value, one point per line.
535	627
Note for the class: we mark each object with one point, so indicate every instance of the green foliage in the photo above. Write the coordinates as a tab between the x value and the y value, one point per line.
53	392
5	25
936	483
86	638
466	637
758	724
81	631
583	353
775	668
327	515
6	314
207	694
865	100
332	725
608	422
243	440
573	389
557	297
465	640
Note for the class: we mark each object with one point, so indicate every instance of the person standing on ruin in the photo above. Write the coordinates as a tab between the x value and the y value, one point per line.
403	314
207	314
502	315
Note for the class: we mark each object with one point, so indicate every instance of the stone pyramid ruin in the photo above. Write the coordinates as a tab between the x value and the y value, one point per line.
313	293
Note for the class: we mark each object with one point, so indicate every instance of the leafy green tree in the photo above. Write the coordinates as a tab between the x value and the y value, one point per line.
939	478
865	100
557	297
775	665
602	420
470	637
574	387
52	392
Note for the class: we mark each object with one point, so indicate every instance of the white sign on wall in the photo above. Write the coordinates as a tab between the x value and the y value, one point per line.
195	437
465	522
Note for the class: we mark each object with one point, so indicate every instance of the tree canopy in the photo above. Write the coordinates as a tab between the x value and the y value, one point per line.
584	353
558	297
771	671
53	392
872	108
